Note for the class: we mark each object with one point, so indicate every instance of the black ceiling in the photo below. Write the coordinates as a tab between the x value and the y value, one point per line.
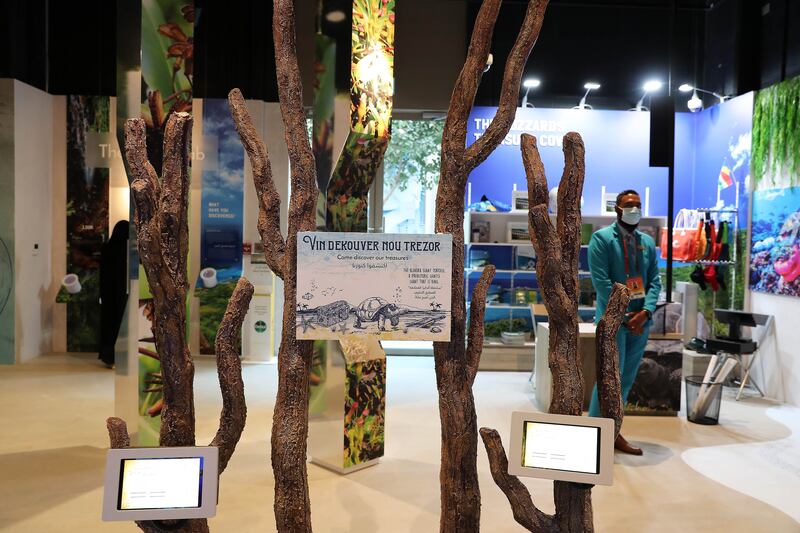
726	45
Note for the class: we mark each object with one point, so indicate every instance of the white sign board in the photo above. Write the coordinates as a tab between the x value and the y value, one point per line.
394	286
560	447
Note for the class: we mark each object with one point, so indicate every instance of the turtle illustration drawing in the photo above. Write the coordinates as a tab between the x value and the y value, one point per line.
377	309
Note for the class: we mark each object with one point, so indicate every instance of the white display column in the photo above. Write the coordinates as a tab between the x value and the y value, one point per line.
260	344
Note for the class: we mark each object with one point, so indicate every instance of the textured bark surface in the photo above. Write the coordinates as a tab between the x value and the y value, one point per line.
163	237
557	248
290	420
229	370
162	230
457	363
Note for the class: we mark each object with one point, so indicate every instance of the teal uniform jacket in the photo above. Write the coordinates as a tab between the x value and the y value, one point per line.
607	266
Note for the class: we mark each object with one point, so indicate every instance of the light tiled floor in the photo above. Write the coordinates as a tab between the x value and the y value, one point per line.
53	445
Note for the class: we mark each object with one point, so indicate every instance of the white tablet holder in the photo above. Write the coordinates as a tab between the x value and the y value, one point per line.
156	484
578	449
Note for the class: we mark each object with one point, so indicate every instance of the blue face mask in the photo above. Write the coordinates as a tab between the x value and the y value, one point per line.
631	215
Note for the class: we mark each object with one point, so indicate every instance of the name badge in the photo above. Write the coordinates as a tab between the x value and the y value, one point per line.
636	287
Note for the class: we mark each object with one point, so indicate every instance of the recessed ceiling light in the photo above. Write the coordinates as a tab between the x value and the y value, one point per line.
335	16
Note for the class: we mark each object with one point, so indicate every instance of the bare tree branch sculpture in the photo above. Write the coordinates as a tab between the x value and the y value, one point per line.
457	363
161	207
557	251
290	420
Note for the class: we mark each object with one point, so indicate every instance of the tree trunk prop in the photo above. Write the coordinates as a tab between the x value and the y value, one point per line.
161	207
557	250
456	361
290	420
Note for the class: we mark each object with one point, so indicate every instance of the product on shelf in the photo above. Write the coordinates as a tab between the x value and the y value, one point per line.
518	232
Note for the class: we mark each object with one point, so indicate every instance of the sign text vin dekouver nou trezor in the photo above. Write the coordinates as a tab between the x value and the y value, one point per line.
394	286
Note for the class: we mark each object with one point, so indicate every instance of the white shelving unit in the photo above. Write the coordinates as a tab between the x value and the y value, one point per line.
498	234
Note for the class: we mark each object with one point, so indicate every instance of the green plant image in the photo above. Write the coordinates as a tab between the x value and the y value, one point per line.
351	180
167	67
413	156
364	411
776	132
496	327
372	69
87	220
213	303
151	398
317	378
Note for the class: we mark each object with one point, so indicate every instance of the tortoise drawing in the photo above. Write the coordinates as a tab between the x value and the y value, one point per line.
377	309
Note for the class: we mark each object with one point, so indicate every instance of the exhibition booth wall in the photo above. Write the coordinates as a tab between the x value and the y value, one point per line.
34	188
712	171
37	191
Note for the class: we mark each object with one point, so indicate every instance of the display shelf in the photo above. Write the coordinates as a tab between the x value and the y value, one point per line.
713	210
497	249
704	262
507	306
601	219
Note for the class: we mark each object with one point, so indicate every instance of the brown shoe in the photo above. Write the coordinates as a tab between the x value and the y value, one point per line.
625	447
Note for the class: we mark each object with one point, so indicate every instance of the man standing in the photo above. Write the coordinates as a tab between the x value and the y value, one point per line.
620	253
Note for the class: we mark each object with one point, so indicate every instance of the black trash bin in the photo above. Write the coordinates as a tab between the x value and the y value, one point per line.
707	413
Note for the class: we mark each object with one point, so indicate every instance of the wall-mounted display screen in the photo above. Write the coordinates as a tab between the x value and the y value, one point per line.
561	447
160	483
579	449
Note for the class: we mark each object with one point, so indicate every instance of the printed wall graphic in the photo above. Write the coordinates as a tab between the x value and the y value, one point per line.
7	311
371	94
365	408
364	400
775	247
712	171
322	128
355	171
775	251
87	217
617	160
167	67
221	218
317	401
657	388
391	286
167	56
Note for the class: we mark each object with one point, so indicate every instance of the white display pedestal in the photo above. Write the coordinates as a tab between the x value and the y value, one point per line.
258	329
543	379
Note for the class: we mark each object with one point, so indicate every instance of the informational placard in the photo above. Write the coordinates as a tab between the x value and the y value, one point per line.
394	286
579	449
160	483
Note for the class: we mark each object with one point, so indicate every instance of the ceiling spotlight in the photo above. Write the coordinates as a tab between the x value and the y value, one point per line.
695	103
529	83
652	86
335	16
589	86
648	87
685	88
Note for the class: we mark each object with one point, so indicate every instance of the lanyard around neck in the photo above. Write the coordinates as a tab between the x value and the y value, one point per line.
625	248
